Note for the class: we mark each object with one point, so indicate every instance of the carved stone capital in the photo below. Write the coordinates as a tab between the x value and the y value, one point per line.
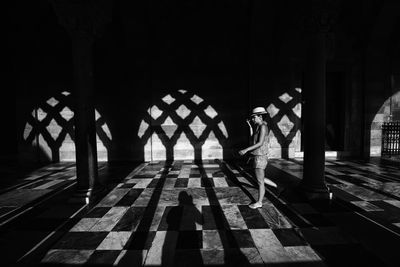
321	16
83	17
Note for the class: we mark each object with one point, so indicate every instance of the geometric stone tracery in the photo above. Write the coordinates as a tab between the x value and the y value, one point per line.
272	110
210	112
285	98
185	127
51	123
285	125
285	122
51	127
183	111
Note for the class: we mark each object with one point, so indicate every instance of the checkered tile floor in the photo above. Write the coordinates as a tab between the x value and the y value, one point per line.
184	214
366	188
36	187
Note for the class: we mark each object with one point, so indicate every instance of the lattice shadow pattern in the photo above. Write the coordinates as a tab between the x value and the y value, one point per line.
285	119
50	127
183	114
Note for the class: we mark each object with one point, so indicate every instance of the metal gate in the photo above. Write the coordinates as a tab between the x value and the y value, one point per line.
391	138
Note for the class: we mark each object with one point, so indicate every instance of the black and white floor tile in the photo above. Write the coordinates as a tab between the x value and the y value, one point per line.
187	214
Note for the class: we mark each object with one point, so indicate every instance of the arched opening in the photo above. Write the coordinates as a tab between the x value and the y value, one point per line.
182	126
50	130
285	125
389	111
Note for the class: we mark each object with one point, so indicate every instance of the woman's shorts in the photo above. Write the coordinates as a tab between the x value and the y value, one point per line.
260	162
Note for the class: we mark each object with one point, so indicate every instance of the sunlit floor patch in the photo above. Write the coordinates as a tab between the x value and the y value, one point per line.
184	214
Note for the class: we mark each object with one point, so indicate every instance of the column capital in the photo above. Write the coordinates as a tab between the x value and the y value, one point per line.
320	16
83	17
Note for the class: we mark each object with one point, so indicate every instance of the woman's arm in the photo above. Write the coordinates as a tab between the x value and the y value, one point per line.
259	143
250	127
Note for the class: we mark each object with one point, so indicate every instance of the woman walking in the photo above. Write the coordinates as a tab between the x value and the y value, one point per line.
259	152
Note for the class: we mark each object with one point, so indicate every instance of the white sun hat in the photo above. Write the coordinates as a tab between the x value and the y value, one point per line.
258	111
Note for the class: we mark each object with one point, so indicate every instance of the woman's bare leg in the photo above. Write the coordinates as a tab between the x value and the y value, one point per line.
261	187
269	182
261	179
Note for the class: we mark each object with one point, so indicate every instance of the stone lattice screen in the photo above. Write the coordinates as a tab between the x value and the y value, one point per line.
285	124
50	129
182	125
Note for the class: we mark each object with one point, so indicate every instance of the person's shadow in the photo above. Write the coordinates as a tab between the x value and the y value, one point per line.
181	234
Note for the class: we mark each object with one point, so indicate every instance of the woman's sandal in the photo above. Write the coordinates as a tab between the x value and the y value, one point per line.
255	205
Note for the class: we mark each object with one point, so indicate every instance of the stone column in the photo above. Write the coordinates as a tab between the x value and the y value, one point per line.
85	127
84	20
313	183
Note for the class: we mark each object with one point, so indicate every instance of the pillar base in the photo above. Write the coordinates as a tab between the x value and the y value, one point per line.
86	196
313	193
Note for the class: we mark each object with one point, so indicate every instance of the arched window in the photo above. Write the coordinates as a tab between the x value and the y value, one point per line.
285	125
384	114
183	126
50	128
